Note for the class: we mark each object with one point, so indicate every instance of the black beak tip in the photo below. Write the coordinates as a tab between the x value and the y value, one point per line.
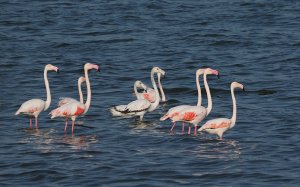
98	70
218	76
57	71
244	88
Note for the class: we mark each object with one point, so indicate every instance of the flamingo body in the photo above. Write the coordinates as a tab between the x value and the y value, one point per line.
31	107
68	110
135	108
173	112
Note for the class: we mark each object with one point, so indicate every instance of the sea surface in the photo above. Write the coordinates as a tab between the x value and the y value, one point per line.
254	42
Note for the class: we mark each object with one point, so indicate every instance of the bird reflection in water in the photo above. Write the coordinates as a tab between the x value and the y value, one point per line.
80	141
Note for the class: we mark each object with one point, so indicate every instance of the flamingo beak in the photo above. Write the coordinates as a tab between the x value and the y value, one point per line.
98	69
218	75
57	71
244	88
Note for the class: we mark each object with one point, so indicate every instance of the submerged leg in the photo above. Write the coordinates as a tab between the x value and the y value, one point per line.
182	130
172	127
73	123
30	122
66	124
36	123
189	130
195	130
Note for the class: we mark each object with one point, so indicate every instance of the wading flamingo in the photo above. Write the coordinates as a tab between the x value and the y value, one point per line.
195	114
140	106
220	125
149	93
33	107
66	100
75	108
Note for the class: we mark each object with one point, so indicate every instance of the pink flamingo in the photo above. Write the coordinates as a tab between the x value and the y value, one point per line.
66	100
150	93
220	125
33	107
75	108
195	114
140	106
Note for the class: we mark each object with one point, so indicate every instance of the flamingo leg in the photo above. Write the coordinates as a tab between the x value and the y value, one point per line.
195	130
172	127
182	131
36	123
189	130
66	124
73	123
30	122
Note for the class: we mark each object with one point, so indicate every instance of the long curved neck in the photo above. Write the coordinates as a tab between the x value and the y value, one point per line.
199	90
163	97
80	92
156	103
233	118
89	93
48	101
209	101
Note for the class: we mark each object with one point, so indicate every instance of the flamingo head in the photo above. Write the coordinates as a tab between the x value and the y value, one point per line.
159	75
158	71
210	71
81	80
50	67
237	85
141	85
89	66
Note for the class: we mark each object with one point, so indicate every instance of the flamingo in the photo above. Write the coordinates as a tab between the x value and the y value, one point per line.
33	107
195	114
66	100
150	92
220	125
75	108
140	106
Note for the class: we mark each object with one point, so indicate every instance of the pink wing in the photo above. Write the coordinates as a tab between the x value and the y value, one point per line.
173	111
70	109
216	123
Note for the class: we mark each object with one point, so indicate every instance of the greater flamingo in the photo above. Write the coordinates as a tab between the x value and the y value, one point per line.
75	108
149	93
66	100
220	125
33	107
140	106
195	114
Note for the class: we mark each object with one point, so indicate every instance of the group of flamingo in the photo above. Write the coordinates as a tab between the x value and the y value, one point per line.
68	107
147	100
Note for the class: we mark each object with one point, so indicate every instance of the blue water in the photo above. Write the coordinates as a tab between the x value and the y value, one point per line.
256	43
